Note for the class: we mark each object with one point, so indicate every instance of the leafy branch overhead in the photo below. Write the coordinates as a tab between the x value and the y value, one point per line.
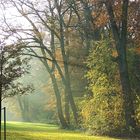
13	66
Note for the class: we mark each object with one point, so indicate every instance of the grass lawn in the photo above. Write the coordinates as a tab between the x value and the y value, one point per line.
37	131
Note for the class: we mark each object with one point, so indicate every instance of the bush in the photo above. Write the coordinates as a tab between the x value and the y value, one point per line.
103	113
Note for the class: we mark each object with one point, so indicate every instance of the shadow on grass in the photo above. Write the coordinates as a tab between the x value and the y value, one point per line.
35	127
22	126
23	136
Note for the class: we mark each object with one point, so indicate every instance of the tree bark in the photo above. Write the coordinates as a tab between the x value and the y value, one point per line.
58	102
127	96
67	109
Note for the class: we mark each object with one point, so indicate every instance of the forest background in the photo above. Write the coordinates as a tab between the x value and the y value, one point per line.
81	61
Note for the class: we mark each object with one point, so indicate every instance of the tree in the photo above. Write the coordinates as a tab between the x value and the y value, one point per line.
120	37
103	112
12	67
37	38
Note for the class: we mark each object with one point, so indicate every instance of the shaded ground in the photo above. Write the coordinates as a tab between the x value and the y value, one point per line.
36	131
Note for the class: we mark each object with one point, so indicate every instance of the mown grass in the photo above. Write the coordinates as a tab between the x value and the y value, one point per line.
37	131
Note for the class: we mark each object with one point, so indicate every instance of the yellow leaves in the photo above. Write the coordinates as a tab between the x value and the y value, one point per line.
101	112
87	110
138	109
114	53
102	20
138	50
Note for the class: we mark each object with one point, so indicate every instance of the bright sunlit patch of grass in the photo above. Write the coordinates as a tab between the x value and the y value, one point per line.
37	131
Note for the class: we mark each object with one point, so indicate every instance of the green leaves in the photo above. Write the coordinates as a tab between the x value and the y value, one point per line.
14	66
103	112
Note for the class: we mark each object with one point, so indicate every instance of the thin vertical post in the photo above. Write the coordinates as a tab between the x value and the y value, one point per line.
0	121
1	72
4	109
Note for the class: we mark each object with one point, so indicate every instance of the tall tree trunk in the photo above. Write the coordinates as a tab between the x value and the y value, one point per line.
67	103
124	76
67	109
127	95
90	31
120	37
87	27
66	71
57	93
70	96
58	102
